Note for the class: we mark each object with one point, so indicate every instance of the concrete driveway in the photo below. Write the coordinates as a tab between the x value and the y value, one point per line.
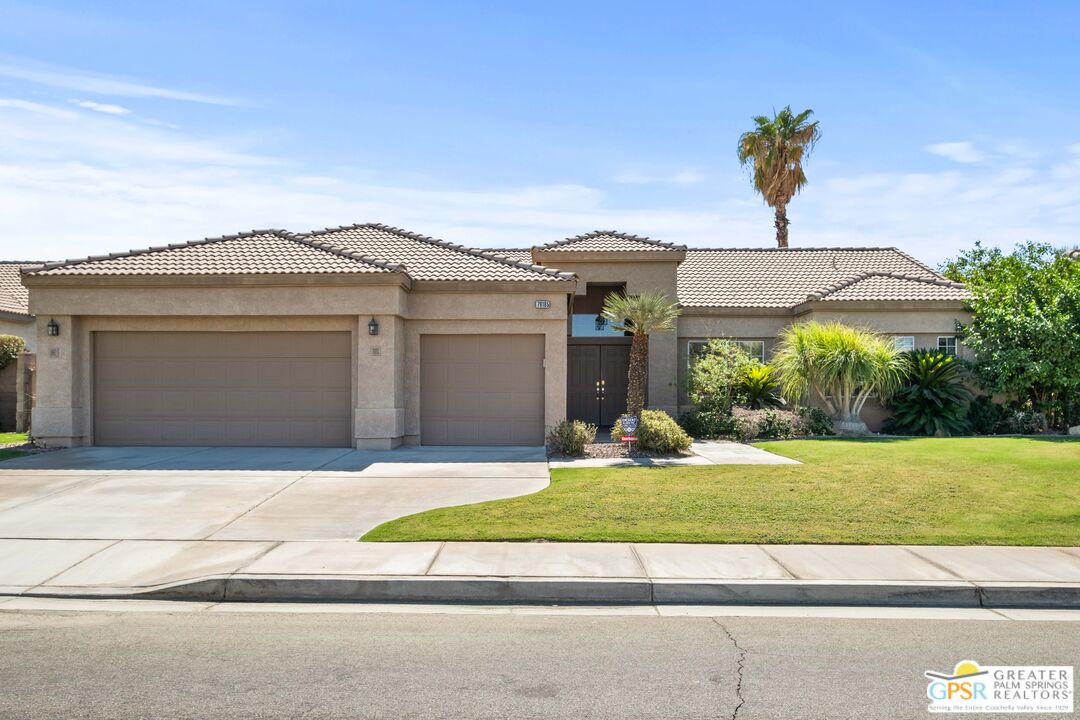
262	494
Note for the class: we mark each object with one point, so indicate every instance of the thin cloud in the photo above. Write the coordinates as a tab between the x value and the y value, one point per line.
961	152
104	85
106	108
687	176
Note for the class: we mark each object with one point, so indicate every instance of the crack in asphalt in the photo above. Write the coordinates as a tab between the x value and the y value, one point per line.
739	666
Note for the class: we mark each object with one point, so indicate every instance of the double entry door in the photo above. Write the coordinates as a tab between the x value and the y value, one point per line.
597	377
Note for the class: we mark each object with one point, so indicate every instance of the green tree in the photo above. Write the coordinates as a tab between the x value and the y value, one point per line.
1025	325
641	315
841	365
716	376
776	149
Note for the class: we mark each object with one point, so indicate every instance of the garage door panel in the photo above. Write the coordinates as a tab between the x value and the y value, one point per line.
482	389
287	388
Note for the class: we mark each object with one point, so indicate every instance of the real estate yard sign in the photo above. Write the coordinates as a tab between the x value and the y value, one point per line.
629	425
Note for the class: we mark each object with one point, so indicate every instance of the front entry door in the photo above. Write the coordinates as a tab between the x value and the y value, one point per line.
597	378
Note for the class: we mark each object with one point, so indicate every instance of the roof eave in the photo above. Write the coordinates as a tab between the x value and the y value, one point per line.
879	305
210	280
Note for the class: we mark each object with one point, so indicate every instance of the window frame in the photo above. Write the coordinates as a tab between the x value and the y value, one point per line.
898	338
955	345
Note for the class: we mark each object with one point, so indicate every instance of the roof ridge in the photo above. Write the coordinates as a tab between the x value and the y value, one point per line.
613	233
334	250
159	248
801	249
859	277
450	246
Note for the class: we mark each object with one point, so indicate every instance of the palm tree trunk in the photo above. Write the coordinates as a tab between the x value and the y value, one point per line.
639	373
781	224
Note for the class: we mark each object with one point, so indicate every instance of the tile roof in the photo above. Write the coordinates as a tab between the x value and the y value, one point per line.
891	286
426	258
611	241
1075	254
14	297
515	254
255	253
784	278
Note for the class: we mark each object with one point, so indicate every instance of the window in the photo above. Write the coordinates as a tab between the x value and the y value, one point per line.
946	344
905	342
753	348
592	325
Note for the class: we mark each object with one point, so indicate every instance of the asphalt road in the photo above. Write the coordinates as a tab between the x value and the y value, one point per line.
284	665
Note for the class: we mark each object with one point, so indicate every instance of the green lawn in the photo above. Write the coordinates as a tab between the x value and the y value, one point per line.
992	491
9	454
8	438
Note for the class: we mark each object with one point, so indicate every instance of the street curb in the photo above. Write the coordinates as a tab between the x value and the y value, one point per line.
587	591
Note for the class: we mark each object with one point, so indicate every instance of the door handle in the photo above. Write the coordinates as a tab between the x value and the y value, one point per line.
601	389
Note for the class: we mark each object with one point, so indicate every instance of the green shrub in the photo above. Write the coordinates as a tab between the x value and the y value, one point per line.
933	399
758	387
706	425
570	437
10	347
765	424
1022	419
816	421
657	433
716	376
985	416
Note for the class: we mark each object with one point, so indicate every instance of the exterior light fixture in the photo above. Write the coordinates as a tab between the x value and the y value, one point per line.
373	327
601	322
53	329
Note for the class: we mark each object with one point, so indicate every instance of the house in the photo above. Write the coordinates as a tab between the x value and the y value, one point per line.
15	317
371	336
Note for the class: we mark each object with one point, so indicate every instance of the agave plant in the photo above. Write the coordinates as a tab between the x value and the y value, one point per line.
759	387
933	400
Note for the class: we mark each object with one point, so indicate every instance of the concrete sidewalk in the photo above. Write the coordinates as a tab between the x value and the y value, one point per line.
555	573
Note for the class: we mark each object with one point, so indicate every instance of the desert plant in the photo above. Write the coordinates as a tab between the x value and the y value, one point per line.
841	365
816	421
10	347
716	376
933	399
570	437
657	432
776	148
641	314
758	387
769	423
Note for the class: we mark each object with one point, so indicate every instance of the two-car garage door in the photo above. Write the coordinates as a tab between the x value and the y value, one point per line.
223	388
294	389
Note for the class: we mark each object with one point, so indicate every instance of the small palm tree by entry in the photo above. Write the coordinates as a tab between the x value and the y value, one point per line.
776	149
639	314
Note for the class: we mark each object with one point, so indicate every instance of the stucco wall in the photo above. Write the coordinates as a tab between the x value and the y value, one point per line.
385	368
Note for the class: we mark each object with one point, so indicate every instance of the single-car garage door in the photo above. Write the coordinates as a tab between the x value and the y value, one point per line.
482	389
222	388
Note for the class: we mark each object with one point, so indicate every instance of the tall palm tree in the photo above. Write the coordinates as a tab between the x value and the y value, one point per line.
640	314
776	148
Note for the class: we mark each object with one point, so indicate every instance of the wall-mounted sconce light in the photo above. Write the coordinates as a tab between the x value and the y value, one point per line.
53	329
373	327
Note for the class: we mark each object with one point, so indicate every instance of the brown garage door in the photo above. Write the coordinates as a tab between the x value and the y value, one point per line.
482	389
222	388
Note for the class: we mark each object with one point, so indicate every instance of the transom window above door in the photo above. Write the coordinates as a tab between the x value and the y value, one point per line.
587	320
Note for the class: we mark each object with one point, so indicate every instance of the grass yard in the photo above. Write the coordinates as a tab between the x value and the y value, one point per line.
951	491
9	438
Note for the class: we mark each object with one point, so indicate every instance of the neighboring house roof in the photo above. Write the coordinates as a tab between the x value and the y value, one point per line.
891	286
426	258
14	297
515	254
1075	254
345	250
784	278
611	241
255	253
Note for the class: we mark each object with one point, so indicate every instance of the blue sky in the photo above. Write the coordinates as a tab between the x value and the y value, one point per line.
506	124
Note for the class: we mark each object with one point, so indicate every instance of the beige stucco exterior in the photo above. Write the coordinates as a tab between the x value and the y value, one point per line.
385	384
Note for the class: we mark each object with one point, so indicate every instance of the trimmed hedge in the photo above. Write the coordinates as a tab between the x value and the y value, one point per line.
658	433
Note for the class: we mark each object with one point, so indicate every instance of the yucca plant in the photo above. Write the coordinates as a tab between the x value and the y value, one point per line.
933	400
759	386
842	366
641	314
